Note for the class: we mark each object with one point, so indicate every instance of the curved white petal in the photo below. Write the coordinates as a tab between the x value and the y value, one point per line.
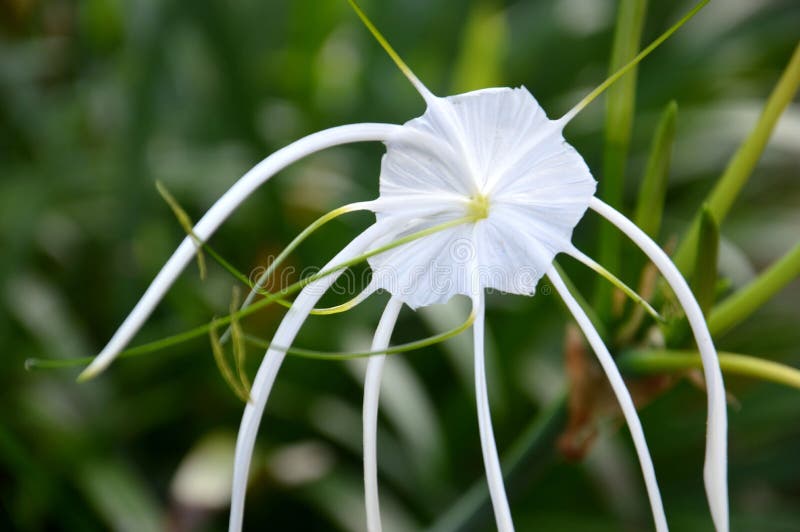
494	475
429	270
716	467
265	378
623	397
372	390
223	208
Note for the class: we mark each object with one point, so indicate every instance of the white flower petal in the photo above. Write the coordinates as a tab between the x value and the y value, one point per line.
372	390
715	471
429	270
623	397
218	213
495	147
491	462
265	378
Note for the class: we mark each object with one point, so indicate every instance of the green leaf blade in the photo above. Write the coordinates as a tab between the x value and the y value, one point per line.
620	108
741	166
739	306
652	192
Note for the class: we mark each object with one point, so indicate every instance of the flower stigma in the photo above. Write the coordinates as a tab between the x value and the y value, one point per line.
478	207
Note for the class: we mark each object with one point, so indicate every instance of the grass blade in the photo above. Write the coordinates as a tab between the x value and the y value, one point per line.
652	192
743	303
741	166
620	106
483	50
704	280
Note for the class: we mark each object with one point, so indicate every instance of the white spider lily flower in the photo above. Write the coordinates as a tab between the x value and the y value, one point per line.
492	155
492	192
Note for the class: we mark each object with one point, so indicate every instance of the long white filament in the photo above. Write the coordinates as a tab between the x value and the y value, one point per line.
715	472
218	212
623	397
372	390
265	378
494	475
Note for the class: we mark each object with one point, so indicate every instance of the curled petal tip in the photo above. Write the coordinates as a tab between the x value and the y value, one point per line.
91	371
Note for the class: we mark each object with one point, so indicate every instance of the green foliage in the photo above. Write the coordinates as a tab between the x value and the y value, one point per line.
100	99
653	189
741	166
620	110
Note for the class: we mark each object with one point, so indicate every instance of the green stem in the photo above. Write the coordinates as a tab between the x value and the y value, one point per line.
351	355
659	361
743	162
743	303
41	363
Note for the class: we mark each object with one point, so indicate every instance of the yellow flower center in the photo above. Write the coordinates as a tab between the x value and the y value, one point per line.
478	207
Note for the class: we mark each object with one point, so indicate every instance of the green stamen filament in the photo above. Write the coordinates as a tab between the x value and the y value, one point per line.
625	69
256	288
252	309
40	363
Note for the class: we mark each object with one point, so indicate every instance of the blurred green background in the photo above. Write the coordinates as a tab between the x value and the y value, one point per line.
100	98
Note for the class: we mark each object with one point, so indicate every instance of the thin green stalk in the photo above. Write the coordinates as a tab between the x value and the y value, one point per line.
620	107
741	166
587	308
239	347
224	368
304	234
40	363
737	307
652	192
660	361
242	278
268	300
589	98
622	287
404	68
186	223
351	355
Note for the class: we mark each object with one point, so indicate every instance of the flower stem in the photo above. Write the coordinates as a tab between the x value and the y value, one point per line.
663	360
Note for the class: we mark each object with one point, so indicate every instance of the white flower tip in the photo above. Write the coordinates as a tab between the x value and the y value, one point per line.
94	369
715	476
101	361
